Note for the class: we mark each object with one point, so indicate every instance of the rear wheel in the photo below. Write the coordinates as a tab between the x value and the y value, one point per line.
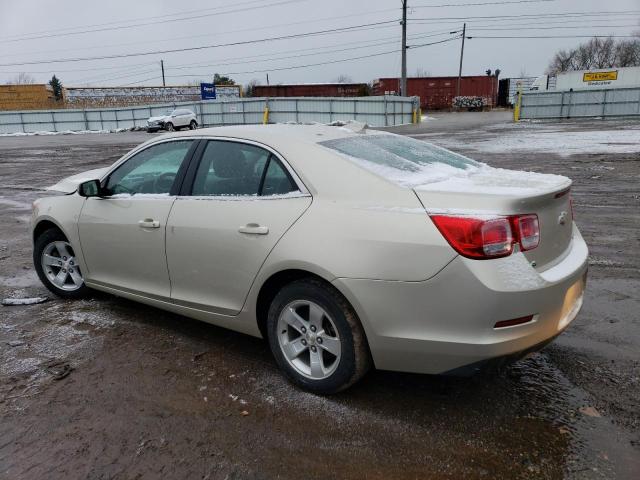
193	125
316	337
169	127
56	265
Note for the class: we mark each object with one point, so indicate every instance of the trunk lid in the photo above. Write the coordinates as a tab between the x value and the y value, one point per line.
492	191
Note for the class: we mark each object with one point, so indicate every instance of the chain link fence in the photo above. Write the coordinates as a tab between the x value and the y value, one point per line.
375	111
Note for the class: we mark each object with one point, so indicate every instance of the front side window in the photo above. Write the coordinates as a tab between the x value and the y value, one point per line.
153	170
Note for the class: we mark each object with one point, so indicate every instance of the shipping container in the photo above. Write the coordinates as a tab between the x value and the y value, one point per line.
437	93
312	90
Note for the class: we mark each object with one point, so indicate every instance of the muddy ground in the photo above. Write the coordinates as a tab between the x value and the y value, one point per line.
155	395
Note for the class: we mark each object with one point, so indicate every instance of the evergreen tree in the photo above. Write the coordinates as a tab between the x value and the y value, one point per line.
56	85
222	80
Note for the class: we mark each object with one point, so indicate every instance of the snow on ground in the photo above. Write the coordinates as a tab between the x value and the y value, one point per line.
552	140
65	132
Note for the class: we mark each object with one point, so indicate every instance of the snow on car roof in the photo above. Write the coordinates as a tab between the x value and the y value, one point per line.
277	134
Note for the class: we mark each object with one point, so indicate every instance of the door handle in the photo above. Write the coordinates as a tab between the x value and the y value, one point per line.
254	229
149	223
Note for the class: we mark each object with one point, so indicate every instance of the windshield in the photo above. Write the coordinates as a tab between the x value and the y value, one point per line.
403	160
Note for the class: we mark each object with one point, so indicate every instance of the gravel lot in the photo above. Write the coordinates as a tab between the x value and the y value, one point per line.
151	394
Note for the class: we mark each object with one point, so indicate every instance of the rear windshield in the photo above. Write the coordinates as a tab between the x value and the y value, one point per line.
398	152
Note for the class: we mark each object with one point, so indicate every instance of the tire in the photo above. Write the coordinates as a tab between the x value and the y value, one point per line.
169	127
339	324
46	244
193	125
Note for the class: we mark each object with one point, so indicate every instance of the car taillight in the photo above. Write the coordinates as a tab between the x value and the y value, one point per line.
482	238
528	231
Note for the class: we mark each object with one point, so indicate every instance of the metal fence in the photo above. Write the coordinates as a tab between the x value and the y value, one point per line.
375	111
618	102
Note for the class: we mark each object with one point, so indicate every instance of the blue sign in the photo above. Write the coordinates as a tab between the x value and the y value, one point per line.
208	91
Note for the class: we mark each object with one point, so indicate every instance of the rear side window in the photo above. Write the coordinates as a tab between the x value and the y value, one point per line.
229	168
239	169
277	180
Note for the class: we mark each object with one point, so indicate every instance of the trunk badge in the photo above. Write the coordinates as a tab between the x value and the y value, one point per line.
562	219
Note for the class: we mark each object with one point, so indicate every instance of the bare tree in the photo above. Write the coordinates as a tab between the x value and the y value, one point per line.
422	72
343	79
250	87
22	79
597	53
627	53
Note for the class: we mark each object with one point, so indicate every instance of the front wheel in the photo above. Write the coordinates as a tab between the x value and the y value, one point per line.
193	125
56	265
316	337
169	127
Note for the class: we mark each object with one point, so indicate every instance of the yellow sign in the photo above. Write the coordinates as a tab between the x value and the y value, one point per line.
599	76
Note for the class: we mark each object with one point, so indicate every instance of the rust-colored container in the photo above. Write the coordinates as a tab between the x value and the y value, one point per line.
312	90
437	93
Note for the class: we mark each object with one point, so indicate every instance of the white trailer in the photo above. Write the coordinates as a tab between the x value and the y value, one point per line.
590	79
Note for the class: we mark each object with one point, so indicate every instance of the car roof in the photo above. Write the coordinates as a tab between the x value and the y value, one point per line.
276	135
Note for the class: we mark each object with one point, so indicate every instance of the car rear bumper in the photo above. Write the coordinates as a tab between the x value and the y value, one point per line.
447	323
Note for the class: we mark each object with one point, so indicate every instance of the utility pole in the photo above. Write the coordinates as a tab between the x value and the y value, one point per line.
267	79
403	81
464	33
162	67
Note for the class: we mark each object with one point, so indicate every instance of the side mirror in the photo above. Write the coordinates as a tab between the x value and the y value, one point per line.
90	188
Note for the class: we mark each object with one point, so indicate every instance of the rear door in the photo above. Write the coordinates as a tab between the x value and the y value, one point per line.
242	200
122	235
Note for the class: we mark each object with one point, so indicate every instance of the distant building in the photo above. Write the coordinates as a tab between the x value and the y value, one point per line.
27	97
97	97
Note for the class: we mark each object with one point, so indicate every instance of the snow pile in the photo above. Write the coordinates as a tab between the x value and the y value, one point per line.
65	132
23	301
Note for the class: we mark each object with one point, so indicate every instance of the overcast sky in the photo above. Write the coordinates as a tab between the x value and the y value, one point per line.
175	25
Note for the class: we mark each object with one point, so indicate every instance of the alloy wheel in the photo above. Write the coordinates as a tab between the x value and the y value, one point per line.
309	339
60	266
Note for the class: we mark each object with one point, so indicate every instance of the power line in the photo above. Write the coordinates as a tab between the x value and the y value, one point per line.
323	63
320	50
122	27
203	47
531	16
557	36
552	28
235	4
217	33
480	3
368	45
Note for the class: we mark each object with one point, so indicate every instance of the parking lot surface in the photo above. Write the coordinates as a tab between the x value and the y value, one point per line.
107	388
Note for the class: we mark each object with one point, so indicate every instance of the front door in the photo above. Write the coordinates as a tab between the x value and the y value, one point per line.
122	235
243	200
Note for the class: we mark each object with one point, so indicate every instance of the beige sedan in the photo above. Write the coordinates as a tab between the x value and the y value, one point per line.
346	248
